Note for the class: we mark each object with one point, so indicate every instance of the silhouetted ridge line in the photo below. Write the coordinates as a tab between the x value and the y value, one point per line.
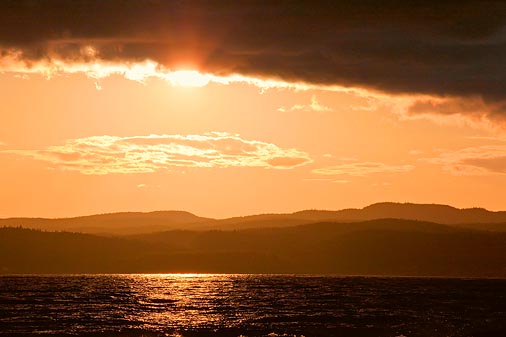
137	222
113	223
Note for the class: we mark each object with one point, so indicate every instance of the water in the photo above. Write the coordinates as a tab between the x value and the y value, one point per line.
250	305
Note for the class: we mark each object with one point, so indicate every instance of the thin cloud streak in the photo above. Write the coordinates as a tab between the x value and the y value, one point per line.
339	181
361	169
101	155
313	106
472	161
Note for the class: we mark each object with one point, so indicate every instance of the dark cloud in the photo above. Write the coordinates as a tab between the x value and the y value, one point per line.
472	106
454	48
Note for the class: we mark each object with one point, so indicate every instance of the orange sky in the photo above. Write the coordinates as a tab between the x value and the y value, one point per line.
74	145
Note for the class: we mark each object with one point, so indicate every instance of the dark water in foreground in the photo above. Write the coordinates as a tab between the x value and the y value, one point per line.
250	305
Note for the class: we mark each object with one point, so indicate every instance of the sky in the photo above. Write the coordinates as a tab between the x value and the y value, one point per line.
235	108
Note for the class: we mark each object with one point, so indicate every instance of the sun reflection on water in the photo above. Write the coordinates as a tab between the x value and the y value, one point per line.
190	300
182	275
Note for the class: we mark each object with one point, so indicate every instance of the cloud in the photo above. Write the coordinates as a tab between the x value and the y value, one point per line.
100	155
478	160
443	49
12	61
383	184
472	110
340	181
314	106
362	169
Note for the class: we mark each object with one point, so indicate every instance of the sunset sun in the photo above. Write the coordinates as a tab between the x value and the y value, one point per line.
188	78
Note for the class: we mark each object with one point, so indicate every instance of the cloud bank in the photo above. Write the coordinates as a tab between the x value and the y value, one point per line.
452	49
100	155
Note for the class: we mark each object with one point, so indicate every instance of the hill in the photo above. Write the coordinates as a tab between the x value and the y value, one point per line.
139	223
475	218
123	223
379	247
424	212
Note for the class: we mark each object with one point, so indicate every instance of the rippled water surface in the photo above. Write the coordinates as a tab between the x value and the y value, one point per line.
250	305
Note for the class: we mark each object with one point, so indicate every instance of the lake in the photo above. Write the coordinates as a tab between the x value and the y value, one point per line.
250	305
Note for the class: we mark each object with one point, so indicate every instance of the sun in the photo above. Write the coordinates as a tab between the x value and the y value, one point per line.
188	78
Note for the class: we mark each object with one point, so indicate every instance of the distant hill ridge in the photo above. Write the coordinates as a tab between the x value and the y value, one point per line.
139	222
112	223
424	212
